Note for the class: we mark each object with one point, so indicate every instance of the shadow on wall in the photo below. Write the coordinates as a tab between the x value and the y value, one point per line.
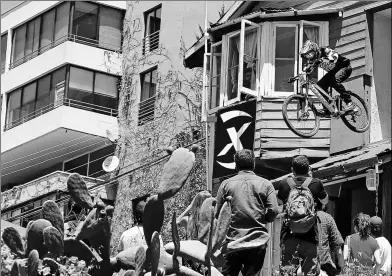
382	68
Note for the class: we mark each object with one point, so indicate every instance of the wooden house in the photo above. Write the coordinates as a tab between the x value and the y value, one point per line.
254	48
259	42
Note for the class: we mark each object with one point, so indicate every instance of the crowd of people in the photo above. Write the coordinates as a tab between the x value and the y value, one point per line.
310	239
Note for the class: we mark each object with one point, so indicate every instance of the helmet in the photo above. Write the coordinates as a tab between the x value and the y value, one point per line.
310	50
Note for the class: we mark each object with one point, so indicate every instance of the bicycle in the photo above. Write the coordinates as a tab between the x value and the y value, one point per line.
304	106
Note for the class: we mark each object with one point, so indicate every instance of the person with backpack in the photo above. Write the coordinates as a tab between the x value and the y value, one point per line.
301	172
300	195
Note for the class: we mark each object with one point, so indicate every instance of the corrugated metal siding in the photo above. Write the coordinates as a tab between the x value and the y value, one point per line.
273	138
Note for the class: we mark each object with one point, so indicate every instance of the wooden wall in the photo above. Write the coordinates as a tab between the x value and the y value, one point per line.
350	37
273	139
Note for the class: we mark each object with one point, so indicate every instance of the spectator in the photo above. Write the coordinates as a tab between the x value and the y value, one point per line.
385	246
135	235
253	204
330	243
305	245
361	246
302	171
188	220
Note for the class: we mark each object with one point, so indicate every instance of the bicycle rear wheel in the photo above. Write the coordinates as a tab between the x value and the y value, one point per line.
304	124
357	121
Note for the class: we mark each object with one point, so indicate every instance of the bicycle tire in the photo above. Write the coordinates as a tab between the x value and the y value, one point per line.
286	118
365	108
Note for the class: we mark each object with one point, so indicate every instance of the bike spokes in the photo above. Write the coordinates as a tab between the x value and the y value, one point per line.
358	118
301	119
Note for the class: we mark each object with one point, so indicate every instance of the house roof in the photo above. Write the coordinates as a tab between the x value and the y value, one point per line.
341	164
194	55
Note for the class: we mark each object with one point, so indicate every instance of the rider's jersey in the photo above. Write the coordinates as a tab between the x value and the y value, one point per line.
330	60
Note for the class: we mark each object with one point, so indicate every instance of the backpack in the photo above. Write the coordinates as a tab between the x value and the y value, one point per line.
300	211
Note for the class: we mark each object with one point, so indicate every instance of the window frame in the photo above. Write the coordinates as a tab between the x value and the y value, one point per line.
146	13
242	89
146	50
320	71
150	70
93	93
88	159
4	50
221	91
296	49
54	29
323	38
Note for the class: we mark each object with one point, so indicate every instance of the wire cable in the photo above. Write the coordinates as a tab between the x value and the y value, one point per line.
13	160
105	184
50	159
38	157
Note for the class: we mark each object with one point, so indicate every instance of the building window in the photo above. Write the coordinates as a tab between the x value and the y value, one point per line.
3	51
152	23
40	34
235	67
148	82
215	75
92	24
89	90
85	21
288	39
25	209
89	164
93	88
33	99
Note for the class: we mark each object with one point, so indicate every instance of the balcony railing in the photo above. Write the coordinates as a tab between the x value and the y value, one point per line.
63	102
146	111
150	42
68	37
56	181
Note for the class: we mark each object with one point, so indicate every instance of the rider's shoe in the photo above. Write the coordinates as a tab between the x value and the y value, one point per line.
350	108
324	113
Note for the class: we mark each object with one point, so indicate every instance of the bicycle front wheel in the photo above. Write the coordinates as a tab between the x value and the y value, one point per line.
304	123
358	120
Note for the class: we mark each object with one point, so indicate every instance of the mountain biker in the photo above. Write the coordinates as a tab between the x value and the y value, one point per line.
338	69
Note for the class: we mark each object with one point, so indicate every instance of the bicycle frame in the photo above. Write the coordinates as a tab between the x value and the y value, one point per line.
319	92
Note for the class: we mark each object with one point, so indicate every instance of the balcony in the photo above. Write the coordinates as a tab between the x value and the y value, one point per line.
36	143
68	37
67	52
150	42
56	181
62	102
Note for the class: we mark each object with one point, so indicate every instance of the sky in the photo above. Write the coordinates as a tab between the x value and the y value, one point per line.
7	5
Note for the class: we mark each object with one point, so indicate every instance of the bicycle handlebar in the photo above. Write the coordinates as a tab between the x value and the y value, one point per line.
293	79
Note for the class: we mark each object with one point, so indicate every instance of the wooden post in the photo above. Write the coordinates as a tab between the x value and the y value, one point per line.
386	202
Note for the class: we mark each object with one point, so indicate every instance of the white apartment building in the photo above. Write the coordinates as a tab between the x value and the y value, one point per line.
59	96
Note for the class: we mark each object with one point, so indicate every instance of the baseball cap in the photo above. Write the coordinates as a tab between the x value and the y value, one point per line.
375	221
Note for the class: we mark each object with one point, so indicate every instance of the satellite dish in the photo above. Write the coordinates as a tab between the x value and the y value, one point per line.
110	163
112	136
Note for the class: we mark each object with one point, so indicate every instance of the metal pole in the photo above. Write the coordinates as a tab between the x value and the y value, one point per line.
204	97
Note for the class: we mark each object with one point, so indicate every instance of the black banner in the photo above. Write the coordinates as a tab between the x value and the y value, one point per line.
235	130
